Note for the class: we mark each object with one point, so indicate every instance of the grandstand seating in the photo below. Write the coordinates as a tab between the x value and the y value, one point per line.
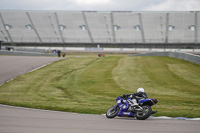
99	27
198	27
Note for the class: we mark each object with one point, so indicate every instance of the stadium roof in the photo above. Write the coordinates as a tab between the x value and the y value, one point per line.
102	5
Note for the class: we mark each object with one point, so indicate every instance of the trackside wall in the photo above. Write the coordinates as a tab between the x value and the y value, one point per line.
21	53
179	55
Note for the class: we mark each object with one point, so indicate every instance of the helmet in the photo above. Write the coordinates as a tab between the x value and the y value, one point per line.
140	90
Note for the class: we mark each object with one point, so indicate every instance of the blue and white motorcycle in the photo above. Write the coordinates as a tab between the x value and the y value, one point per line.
124	108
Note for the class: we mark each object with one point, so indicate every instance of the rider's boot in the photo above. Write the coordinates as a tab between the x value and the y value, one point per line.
135	104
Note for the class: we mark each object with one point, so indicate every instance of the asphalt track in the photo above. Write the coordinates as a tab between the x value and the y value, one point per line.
12	66
24	120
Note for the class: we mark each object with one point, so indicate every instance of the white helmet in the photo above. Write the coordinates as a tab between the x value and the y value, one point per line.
140	90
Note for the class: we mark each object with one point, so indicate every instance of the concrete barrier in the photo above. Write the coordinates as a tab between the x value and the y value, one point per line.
22	53
179	55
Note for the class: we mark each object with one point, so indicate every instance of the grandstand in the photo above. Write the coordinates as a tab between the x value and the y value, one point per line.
122	29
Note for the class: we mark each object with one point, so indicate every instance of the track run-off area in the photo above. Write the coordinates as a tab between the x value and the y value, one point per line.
26	120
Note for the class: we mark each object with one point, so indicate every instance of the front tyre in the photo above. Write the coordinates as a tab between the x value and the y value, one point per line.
112	112
145	113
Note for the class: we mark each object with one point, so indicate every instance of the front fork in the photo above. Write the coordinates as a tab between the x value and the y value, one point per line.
115	107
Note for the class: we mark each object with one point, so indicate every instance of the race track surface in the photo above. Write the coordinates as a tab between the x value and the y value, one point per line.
12	66
22	120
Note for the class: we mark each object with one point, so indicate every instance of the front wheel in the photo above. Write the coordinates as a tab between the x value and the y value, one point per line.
145	113
112	112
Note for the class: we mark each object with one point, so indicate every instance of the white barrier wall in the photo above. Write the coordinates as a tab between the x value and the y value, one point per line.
20	53
93	49
179	55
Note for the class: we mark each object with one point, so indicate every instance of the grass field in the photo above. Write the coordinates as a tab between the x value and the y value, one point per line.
89	84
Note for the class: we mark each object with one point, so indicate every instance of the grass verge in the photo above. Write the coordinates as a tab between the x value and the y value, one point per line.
88	84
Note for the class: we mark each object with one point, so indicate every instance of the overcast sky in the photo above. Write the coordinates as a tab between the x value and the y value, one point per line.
102	5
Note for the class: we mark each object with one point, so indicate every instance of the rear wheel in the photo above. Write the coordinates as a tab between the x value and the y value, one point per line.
112	112
145	113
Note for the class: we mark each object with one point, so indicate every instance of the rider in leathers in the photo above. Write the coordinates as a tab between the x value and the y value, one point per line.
140	93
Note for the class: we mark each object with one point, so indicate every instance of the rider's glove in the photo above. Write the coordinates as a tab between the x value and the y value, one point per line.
124	95
132	96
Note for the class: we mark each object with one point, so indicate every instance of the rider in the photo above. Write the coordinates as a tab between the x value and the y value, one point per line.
140	93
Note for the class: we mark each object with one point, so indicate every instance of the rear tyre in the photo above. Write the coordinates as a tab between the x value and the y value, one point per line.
145	113
112	112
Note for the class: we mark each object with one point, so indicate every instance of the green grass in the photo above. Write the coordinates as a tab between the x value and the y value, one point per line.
89	84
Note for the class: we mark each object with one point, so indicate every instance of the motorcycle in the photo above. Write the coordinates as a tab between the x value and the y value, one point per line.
124	108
